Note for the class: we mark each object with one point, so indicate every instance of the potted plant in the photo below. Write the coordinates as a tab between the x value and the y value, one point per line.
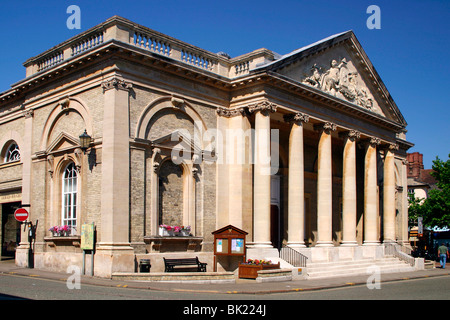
250	268
185	231
166	230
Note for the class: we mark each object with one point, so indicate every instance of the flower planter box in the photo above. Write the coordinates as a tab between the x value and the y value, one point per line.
163	232
250	271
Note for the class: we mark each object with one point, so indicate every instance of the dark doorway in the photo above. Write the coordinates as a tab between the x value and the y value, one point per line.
10	230
275	226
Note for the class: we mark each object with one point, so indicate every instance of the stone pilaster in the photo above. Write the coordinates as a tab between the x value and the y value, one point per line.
324	185
296	181
349	200
23	250
114	252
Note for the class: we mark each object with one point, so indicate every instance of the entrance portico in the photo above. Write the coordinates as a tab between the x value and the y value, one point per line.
352	235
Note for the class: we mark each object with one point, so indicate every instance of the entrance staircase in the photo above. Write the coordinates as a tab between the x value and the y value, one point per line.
395	260
356	267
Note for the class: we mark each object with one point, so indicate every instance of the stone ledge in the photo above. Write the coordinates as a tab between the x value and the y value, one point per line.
180	277
277	275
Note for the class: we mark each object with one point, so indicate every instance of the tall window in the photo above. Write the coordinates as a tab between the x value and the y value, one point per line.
69	196
13	153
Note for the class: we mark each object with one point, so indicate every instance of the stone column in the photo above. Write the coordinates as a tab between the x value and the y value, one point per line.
404	237
389	194
349	189
371	194
114	252
296	181
324	186
261	180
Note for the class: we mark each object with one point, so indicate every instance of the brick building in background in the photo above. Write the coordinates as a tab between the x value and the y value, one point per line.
420	180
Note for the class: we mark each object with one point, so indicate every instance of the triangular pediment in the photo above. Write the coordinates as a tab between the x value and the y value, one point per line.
63	142
177	140
338	66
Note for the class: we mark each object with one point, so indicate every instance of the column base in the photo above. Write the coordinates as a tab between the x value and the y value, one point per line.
349	244
295	245
260	245
324	244
371	243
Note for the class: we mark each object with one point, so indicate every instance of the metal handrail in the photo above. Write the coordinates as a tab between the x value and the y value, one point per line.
292	256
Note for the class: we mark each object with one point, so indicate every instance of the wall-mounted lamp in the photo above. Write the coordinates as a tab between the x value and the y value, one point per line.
85	141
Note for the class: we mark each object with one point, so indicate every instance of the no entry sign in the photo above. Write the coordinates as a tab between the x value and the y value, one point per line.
21	214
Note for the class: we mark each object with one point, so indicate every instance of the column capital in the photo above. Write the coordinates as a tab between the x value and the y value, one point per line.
116	83
229	113
390	146
28	113
352	135
264	106
326	127
371	142
296	117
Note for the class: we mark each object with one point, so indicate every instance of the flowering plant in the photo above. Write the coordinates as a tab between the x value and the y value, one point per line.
165	226
258	262
61	230
175	228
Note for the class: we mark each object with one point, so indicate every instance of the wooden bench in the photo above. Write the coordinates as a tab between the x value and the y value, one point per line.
169	264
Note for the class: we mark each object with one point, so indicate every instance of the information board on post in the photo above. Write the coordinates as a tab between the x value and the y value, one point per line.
87	236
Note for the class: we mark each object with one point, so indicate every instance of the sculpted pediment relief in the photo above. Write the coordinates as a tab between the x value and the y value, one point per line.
341	70
340	81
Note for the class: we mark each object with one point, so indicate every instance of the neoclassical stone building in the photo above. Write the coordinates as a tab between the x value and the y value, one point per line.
306	149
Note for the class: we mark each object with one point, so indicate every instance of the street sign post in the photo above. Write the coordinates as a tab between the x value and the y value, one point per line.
21	214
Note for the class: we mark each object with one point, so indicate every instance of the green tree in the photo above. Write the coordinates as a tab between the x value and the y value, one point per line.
435	210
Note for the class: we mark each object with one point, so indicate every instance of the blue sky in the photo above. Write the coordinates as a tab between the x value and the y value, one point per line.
410	51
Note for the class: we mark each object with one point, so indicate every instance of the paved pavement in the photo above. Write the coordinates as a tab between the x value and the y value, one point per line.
241	286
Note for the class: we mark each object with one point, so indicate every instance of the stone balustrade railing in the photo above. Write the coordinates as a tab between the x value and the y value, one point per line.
122	30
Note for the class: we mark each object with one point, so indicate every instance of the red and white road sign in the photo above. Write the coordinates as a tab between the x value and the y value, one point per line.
21	214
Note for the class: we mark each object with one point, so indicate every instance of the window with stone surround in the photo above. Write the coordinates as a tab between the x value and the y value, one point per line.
69	195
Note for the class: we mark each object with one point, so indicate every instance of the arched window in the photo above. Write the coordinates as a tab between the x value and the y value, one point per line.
12	153
69	196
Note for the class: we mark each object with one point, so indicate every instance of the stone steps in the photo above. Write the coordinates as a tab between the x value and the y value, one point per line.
355	267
